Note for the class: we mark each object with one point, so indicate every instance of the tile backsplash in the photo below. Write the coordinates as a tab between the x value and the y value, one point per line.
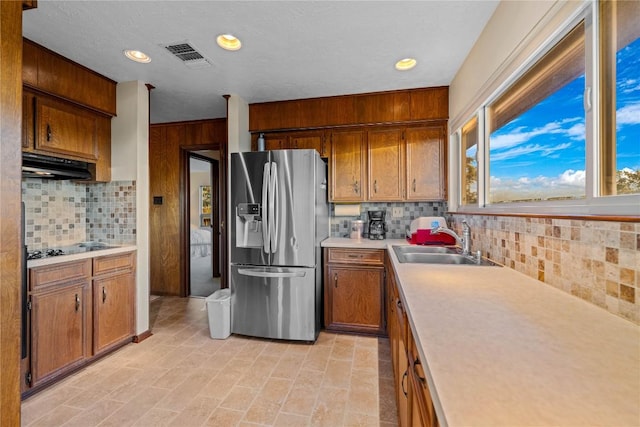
597	261
395	226
61	213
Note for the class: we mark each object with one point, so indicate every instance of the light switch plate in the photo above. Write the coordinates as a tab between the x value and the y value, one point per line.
397	212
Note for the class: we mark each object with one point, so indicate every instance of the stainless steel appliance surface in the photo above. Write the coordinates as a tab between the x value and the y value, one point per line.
280	214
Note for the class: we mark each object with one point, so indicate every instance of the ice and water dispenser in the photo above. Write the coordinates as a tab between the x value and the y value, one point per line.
248	225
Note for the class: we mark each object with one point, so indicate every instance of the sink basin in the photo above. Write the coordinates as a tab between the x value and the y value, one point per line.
437	255
425	250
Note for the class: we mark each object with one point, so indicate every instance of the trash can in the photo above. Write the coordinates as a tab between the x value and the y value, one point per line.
219	310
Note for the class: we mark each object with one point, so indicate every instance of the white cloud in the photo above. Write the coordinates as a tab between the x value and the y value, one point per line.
544	150
570	183
628	115
571	177
521	134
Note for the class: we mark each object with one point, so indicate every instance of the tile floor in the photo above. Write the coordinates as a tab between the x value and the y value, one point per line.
181	377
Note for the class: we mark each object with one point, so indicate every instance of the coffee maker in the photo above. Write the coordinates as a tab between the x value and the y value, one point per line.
377	226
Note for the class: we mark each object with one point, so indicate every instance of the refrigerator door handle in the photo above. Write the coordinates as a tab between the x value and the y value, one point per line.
273	207
265	213
259	273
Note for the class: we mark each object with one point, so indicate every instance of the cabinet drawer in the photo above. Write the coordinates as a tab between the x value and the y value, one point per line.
113	263
356	256
42	277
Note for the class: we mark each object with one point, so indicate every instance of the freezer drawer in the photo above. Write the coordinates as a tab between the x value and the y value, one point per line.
274	302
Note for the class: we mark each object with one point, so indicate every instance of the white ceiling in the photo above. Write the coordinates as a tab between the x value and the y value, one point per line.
290	49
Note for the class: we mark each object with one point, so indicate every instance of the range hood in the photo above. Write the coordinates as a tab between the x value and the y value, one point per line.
48	167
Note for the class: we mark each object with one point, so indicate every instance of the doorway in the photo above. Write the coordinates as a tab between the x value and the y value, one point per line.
203	267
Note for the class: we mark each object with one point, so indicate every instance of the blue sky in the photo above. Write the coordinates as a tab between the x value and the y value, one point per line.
544	148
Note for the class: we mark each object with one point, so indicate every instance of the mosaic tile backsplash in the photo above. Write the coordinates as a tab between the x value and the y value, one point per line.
62	213
597	261
395	226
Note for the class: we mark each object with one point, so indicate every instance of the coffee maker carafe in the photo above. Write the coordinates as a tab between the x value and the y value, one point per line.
377	226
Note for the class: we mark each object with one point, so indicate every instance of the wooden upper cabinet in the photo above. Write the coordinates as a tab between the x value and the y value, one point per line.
386	165
425	163
348	166
312	139
64	129
56	75
351	110
275	142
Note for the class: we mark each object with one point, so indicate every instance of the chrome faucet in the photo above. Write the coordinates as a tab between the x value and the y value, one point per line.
464	241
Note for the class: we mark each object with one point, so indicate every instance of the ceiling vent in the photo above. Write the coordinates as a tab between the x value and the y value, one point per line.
188	55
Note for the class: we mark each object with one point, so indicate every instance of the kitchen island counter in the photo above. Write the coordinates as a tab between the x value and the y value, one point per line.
501	348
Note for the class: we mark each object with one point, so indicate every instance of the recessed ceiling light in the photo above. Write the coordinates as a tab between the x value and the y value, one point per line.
405	64
136	55
228	42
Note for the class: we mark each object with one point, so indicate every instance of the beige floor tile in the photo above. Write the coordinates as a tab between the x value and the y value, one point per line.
262	412
156	417
239	398
95	414
56	417
352	419
224	417
338	373
300	401
130	412
196	413
180	376
291	420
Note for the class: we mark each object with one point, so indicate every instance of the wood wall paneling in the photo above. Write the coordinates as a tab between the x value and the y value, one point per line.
166	142
10	237
430	104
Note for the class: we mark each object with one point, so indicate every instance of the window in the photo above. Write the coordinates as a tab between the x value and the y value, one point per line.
563	134
537	129
620	83
469	163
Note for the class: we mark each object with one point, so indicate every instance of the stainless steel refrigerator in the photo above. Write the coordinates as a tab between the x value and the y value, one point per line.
280	215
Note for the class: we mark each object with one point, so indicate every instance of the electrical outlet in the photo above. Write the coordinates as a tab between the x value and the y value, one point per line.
397	212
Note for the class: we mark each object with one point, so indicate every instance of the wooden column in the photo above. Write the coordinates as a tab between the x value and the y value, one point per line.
10	195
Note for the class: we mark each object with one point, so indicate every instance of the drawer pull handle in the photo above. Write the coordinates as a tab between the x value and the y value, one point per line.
104	294
335	280
414	185
354	255
402	382
77	302
422	379
375	186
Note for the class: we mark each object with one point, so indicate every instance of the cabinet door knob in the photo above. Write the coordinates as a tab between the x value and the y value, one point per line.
48	132
104	294
335	280
77	302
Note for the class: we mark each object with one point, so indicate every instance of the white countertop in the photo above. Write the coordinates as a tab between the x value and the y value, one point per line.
501	348
364	243
83	255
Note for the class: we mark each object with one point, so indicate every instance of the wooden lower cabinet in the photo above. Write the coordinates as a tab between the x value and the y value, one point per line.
71	320
413	399
112	311
354	291
59	330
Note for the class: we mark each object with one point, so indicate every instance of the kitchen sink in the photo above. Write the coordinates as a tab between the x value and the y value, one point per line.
437	255
399	250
